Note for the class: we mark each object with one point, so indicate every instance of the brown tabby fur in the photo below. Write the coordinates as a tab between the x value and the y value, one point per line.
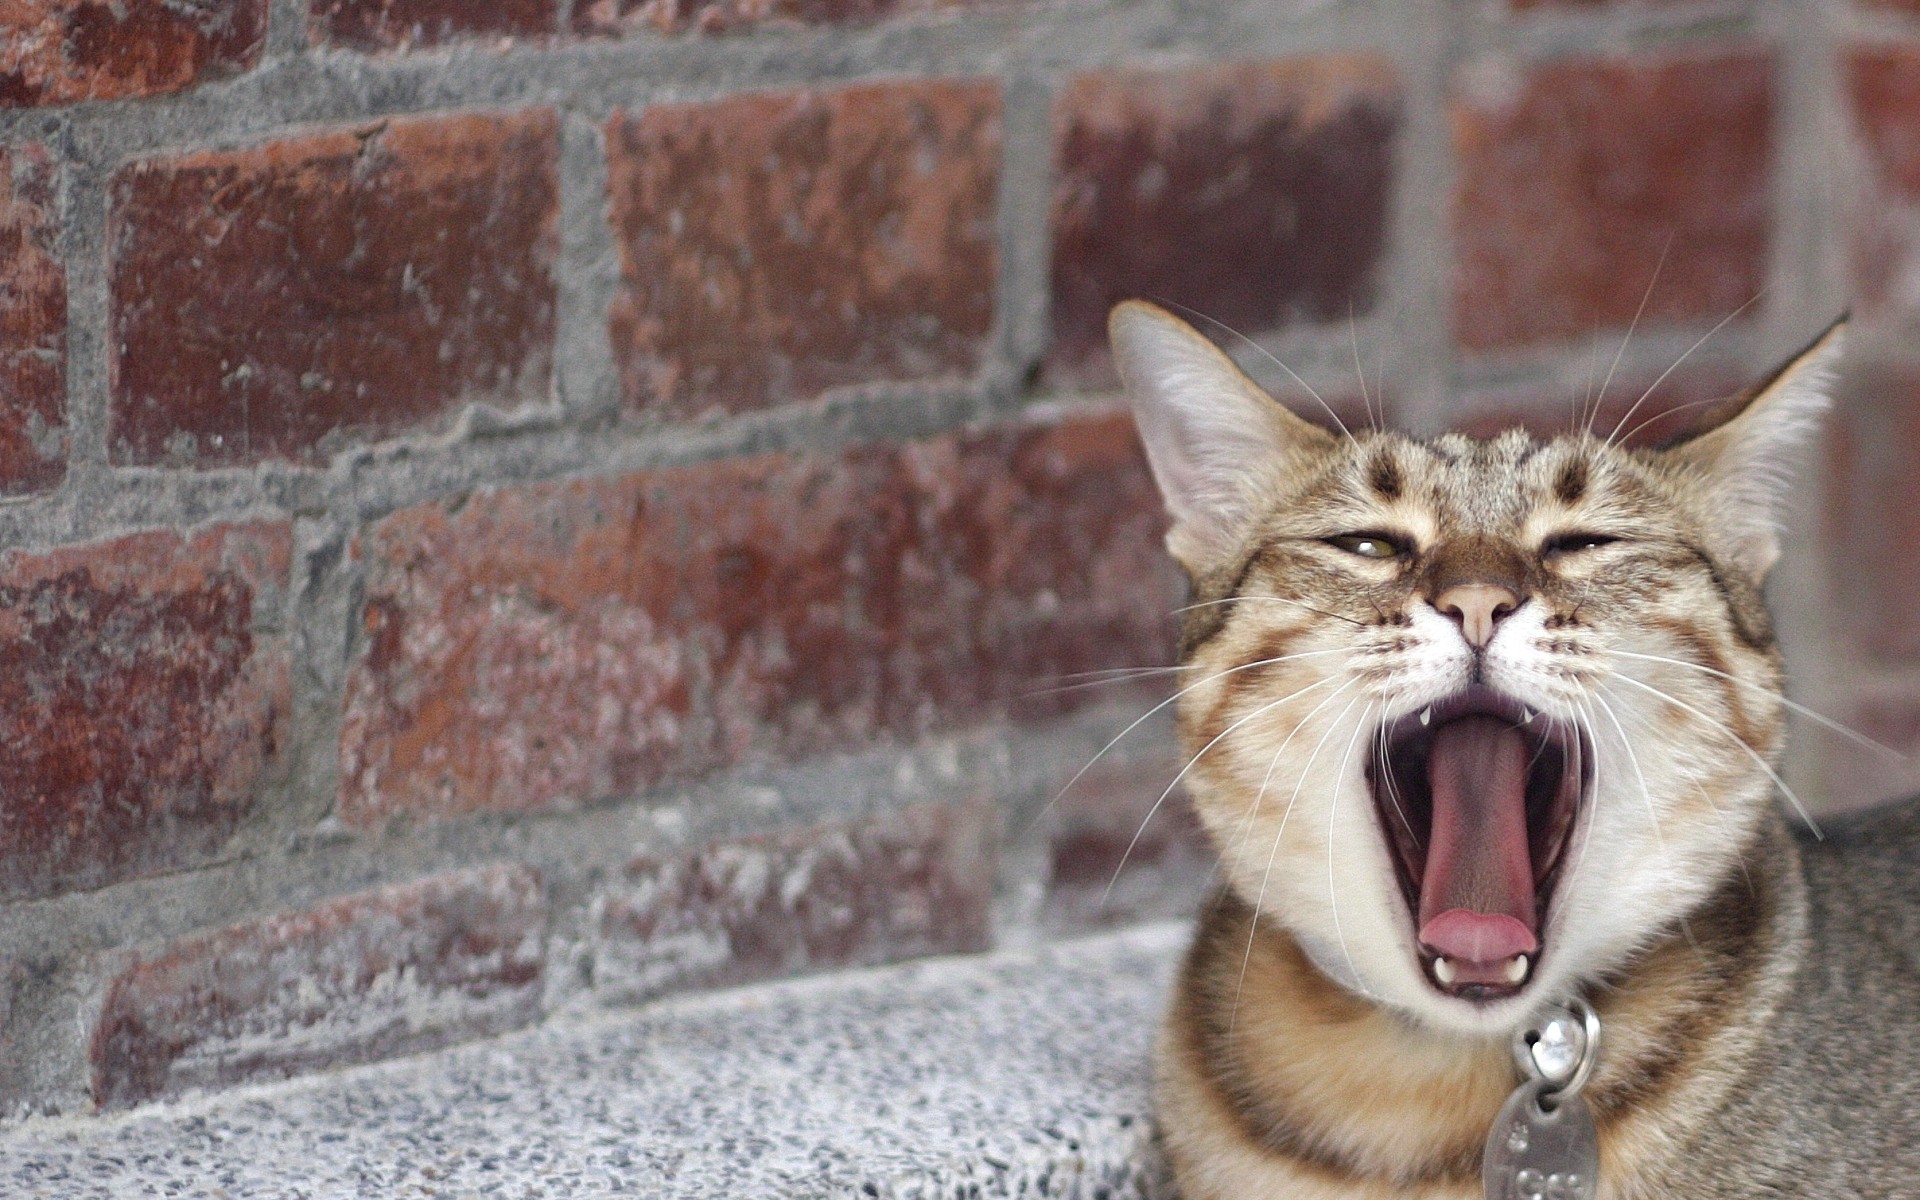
1307	1054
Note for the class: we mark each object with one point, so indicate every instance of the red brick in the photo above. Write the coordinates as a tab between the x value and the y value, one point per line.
62	51
1119	852
914	883
1874	468
1883	83
364	977
846	236
1256	193
541	646
143	703
33	326
378	25
273	303
1576	176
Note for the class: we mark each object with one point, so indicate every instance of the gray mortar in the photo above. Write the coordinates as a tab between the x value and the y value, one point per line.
291	855
1021	1074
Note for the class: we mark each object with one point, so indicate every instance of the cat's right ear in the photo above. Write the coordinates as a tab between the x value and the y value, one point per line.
1214	438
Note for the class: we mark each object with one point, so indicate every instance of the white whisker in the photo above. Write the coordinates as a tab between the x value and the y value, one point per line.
1253	925
1275	359
1137	721
1805	816
1635	407
1819	718
1333	890
1633	325
1201	753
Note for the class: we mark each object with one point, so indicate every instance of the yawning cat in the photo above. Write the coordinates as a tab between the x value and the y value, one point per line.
1483	726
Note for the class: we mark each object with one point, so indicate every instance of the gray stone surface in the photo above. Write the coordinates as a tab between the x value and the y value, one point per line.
1016	1074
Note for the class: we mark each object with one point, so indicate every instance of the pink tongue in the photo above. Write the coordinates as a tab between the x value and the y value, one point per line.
1476	898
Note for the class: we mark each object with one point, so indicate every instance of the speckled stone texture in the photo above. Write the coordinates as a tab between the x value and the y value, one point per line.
1019	1074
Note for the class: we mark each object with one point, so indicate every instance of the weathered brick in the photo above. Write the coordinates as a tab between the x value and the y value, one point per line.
62	51
846	236
556	644
1578	176
367	976
1873	445
33	326
272	303
1120	847
1256	193
1883	83
386	25
143	702
913	883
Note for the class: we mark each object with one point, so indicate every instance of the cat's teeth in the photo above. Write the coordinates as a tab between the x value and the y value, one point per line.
1426	716
1443	969
1528	719
1517	969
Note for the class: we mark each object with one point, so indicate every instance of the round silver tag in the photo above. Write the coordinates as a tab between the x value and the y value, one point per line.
1536	1154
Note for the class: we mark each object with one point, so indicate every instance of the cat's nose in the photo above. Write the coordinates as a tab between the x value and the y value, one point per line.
1478	607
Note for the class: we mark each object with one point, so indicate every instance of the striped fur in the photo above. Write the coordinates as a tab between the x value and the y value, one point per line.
1308	1054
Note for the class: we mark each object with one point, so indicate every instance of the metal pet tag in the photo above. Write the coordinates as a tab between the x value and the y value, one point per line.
1534	1154
1543	1145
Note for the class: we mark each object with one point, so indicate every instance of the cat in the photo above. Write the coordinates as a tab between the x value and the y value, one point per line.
1482	724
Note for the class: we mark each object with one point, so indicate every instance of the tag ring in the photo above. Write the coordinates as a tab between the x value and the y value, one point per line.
1574	1010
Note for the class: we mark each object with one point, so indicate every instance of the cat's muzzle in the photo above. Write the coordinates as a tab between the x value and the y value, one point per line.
1477	797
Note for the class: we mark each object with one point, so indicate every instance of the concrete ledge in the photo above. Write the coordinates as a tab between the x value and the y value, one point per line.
1016	1074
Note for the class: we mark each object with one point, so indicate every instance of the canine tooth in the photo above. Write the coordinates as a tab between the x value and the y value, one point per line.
1443	969
1528	719
1426	715
1517	968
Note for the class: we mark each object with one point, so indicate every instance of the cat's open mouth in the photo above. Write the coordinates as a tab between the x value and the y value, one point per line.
1477	795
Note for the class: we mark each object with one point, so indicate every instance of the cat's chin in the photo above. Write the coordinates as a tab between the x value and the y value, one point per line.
1477	797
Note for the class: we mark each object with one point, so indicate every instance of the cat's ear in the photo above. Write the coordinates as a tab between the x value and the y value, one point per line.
1214	439
1747	455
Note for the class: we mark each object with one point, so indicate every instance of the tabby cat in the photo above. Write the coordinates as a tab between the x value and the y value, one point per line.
1480	725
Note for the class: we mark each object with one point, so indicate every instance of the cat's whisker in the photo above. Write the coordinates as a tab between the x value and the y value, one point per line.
1819	718
1273	852
1724	322
1366	400
1270	600
1271	356
1114	678
1269	706
1333	823
1143	717
1253	925
1667	412
1806	817
1592	740
1627	340
1626	742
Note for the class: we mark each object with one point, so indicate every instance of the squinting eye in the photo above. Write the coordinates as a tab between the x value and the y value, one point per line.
1366	545
1573	543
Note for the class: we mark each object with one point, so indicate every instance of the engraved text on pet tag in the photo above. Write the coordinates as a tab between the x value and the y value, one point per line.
1543	1145
1538	1154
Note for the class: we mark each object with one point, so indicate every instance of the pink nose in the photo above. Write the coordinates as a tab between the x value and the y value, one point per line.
1478	607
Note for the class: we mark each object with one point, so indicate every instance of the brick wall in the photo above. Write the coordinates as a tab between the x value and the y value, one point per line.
520	506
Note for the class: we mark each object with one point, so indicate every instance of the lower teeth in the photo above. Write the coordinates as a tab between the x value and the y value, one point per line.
1515	972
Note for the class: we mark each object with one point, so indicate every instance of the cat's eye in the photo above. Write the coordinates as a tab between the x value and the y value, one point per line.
1367	545
1574	543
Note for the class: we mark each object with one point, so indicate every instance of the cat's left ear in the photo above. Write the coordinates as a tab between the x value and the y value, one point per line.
1747	455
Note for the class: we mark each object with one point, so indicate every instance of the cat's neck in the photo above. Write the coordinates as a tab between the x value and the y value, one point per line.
1306	1074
